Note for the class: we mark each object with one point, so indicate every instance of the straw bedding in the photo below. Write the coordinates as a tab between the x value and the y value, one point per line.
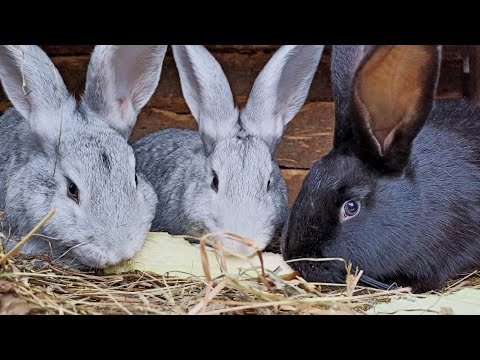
36	286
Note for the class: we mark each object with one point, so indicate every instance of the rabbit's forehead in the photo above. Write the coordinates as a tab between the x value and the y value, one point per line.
97	150
336	172
242	154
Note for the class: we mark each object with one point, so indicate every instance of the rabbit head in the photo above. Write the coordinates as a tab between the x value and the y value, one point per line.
240	188
357	203
80	162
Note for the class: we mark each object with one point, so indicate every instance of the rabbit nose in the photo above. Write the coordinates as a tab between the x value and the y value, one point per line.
305	268
95	259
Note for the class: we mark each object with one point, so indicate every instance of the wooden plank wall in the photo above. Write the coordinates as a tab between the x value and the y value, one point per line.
309	136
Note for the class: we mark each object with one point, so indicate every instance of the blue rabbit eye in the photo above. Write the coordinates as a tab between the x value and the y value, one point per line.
351	208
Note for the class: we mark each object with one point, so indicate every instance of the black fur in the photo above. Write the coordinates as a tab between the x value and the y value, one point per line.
417	227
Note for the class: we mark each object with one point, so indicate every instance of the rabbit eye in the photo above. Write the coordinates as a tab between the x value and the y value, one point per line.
268	185
350	209
215	182
73	192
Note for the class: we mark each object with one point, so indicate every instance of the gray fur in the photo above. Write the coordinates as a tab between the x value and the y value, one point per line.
48	139
238	146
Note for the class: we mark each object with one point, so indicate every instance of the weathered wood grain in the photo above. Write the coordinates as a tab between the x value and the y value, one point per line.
67	50
451	82
472	77
294	180
62	50
308	137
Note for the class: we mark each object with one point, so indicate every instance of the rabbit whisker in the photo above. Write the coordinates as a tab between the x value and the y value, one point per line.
117	227
70	249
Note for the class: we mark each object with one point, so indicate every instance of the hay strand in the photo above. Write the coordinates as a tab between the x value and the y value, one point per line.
17	247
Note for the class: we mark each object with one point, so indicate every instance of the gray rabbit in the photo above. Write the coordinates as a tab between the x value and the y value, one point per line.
225	176
399	194
55	153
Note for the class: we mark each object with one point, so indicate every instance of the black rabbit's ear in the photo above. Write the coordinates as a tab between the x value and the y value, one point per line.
393	93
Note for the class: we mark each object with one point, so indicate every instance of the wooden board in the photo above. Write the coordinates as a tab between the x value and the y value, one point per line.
62	50
294	179
472	73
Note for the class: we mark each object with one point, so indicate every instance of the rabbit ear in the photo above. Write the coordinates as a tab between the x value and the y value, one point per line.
280	91
120	81
393	93
207	93
35	88
345	62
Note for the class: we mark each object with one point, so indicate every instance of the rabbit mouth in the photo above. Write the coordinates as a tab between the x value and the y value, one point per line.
329	272
87	256
320	272
88	259
198	230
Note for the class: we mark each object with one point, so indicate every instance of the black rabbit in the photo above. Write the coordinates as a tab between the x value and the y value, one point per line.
399	194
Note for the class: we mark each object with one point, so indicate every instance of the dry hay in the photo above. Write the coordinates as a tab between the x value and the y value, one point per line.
33	285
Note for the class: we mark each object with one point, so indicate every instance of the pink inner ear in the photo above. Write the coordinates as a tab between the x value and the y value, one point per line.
127	112
389	89
127	67
388	140
124	83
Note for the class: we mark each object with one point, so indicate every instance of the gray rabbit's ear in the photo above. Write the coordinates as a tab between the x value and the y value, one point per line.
280	91
393	93
207	93
35	88
121	79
